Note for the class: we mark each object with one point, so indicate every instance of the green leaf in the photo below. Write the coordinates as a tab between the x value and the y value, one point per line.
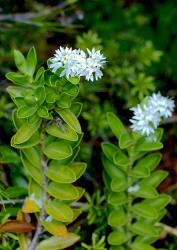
78	168
117	217
63	191
66	133
158	134
117	199
26	111
34	139
69	117
51	95
16	91
70	89
125	140
109	150
35	189
40	95
8	155
140	172
143	145
15	191
71	158
39	77
54	227
144	166
121	159
145	239
144	210
119	184
58	242
155	179
58	150
25	132
117	248
112	170
59	210
75	144
74	80
43	113
34	172
60	173
32	155
18	78
142	246
117	238
76	108
31	61
20	61
16	121
158	203
142	228
64	101
146	192
116	125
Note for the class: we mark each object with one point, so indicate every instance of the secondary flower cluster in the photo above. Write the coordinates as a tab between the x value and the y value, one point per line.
76	63
147	116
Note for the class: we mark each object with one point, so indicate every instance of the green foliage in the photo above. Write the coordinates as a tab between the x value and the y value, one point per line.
131	180
97	244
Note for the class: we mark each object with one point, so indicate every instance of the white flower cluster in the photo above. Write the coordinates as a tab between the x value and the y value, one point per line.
147	116
76	63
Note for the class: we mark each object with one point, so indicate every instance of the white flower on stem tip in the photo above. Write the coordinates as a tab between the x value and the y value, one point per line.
147	117
161	104
76	63
144	120
94	63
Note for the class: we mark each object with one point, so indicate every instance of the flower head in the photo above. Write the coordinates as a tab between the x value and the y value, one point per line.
163	105
147	117
76	63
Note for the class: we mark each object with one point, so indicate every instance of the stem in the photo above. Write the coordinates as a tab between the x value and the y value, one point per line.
38	232
168	229
129	205
11	201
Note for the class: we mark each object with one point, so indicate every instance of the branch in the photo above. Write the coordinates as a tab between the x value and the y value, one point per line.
32	15
172	119
4	202
168	229
38	232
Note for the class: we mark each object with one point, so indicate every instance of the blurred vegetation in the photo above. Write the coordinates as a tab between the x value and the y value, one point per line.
139	40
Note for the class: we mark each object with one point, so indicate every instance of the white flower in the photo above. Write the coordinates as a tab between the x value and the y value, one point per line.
134	188
147	117
144	120
94	63
76	63
161	104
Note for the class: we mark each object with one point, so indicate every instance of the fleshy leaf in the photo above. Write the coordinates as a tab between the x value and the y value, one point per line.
69	117
59	210
63	191
60	173
117	238
58	150
58	242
